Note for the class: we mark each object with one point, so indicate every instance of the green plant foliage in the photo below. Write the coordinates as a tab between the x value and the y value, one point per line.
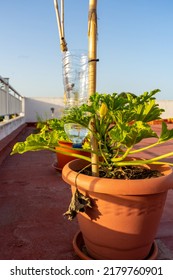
120	122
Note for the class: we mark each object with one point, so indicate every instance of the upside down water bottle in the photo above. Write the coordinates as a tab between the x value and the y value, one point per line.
75	79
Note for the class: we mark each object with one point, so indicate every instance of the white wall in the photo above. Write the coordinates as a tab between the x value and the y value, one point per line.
167	105
40	107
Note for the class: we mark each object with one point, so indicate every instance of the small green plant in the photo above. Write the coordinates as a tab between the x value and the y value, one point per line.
120	122
50	135
58	126
1	118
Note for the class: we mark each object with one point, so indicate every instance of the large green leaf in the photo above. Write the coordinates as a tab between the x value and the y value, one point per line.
35	142
130	135
166	134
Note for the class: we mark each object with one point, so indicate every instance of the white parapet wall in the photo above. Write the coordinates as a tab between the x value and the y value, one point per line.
7	127
167	105
41	108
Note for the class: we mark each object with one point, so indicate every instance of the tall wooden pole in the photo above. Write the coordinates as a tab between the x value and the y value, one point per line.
62	18
92	60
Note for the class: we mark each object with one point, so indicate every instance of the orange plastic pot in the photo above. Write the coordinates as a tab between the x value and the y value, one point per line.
62	159
125	216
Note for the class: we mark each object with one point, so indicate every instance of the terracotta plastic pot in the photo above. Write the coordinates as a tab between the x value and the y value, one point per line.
123	221
62	160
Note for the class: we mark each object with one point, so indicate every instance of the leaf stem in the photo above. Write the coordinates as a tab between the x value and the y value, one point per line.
155	160
145	148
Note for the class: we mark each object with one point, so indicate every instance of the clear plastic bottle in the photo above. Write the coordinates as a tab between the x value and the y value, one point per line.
76	133
75	78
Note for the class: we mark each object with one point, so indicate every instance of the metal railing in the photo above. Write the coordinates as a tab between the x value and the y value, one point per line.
10	100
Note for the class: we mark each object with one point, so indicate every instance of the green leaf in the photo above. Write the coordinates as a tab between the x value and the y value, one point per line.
36	142
143	131
130	135
166	134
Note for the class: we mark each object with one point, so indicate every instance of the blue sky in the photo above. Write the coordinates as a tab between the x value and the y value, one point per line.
135	45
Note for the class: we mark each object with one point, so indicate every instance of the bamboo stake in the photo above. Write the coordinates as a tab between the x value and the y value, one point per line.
62	18
92	60
60	23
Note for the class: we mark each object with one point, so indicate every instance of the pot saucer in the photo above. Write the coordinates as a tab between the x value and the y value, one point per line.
81	251
55	166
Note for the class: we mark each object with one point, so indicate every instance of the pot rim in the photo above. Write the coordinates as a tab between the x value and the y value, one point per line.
117	186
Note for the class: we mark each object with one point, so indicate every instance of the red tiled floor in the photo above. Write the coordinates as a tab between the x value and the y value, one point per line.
33	198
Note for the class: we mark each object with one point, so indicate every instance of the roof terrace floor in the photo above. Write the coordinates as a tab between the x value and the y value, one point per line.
33	198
